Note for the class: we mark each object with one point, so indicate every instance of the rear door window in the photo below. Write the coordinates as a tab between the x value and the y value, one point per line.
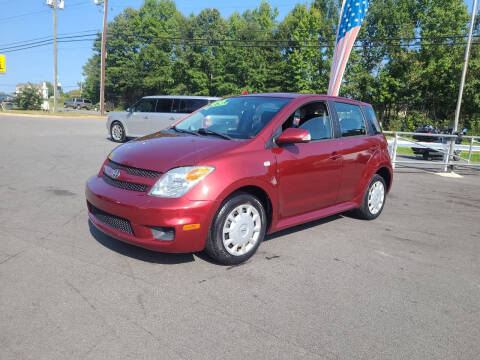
351	119
164	105
372	120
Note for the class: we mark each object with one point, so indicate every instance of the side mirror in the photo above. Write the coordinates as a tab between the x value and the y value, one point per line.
294	136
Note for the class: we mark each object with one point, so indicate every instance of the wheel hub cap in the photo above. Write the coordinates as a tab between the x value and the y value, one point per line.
376	197
241	230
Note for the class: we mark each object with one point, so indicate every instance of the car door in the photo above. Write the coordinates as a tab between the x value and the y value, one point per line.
138	121
308	173
163	115
356	148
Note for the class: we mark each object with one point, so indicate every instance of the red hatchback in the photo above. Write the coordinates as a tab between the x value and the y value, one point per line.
241	168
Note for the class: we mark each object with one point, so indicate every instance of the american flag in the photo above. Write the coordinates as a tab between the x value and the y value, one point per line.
351	17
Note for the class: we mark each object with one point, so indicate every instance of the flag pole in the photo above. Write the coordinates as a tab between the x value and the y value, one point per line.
462	84
465	66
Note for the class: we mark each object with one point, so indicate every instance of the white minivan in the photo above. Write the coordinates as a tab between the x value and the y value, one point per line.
153	113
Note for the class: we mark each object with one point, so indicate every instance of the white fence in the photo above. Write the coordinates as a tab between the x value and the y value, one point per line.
447	147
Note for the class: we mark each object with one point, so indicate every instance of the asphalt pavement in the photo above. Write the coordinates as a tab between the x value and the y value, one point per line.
405	286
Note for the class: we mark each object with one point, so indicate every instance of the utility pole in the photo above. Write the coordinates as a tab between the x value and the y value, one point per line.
462	81
55	86
102	70
55	5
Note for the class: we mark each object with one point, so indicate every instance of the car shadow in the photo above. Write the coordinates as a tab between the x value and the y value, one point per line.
136	252
302	227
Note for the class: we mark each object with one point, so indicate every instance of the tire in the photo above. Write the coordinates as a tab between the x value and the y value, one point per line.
117	132
371	208
248	216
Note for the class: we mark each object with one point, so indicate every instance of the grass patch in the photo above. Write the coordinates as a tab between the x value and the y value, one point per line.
408	151
41	112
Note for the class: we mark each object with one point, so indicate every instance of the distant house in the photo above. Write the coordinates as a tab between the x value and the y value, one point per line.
19	87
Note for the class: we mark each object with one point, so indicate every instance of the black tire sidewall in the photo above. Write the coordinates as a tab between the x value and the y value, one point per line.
365	211
214	246
123	132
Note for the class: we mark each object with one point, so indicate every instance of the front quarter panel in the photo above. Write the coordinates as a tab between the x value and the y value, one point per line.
235	171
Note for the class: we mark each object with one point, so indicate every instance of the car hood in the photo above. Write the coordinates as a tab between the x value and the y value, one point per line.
165	150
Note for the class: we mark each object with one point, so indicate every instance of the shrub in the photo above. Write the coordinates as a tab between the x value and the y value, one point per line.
29	99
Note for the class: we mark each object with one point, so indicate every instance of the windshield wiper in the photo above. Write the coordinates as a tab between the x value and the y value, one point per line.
185	131
211	132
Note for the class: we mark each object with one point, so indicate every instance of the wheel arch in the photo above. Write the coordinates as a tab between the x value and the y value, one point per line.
385	173
260	193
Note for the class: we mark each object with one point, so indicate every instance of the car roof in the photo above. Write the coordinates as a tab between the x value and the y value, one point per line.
306	96
181	97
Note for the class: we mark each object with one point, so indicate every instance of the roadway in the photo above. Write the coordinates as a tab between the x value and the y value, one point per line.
405	286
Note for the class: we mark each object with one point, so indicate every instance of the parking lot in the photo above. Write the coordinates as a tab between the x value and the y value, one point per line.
405	286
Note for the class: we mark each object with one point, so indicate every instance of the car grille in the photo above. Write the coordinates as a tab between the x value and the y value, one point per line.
111	220
124	185
134	171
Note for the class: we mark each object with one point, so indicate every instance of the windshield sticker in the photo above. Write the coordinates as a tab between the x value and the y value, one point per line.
217	103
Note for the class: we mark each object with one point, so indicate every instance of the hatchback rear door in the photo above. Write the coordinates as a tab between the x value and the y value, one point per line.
356	148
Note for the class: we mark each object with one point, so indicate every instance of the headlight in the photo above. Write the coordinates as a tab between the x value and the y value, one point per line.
177	182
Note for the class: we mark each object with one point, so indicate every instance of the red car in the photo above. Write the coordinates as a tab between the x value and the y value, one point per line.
240	168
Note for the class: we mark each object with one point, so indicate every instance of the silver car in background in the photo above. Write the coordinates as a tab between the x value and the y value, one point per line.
153	113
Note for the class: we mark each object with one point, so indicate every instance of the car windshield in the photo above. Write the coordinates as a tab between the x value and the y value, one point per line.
238	117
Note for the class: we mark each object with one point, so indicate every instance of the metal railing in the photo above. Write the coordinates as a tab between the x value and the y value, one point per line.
447	147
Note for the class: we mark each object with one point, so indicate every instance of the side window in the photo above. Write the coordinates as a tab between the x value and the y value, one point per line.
145	105
188	106
351	119
313	117
164	106
372	120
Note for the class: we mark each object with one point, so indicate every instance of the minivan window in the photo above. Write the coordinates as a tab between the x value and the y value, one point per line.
164	105
372	120
145	105
351	119
238	117
187	106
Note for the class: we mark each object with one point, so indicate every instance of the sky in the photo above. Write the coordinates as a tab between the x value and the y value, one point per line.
22	20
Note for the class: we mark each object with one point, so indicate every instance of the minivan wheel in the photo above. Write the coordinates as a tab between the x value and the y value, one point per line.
117	132
237	229
374	199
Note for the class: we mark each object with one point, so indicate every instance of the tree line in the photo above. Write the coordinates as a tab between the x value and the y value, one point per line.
407	60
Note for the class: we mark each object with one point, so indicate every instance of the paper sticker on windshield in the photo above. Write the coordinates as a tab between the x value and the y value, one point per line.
217	103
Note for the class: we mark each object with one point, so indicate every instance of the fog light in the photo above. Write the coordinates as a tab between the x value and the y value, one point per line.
161	233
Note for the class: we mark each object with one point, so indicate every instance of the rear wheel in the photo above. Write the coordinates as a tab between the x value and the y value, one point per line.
117	132
374	199
237	230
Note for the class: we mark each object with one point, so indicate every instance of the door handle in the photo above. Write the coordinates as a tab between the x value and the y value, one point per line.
172	118
145	117
335	155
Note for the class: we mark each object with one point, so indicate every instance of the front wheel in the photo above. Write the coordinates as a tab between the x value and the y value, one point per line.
117	132
374	199
237	230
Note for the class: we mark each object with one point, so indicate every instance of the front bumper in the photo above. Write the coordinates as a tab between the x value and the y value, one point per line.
144	211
